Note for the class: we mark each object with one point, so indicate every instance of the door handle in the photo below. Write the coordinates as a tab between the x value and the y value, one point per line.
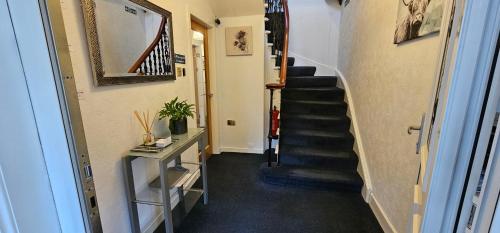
420	132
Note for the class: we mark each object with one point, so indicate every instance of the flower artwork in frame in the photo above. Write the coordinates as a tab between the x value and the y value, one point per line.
239	41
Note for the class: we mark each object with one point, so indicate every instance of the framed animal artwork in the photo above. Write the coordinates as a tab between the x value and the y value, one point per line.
239	41
417	18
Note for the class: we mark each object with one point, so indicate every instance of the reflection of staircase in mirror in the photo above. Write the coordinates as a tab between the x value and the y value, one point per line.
157	58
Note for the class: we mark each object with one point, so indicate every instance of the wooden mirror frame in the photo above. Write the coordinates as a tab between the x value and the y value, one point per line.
89	17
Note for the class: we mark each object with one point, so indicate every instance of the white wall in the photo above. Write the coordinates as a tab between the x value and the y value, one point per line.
314	34
111	130
240	80
235	8
390	86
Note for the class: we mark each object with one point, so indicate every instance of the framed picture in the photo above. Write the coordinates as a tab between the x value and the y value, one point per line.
417	18
143	28
239	41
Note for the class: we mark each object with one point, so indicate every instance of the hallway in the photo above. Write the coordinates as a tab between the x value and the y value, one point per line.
241	202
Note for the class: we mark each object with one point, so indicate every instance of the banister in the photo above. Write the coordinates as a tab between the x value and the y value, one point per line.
277	7
284	55
284	49
149	49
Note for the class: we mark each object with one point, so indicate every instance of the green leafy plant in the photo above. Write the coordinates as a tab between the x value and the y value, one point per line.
176	110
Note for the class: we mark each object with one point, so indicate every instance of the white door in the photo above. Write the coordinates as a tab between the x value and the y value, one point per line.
38	191
26	202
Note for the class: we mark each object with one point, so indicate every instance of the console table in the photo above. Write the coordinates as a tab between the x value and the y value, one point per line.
170	179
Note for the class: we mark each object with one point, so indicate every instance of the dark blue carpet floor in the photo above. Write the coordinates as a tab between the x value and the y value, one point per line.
240	202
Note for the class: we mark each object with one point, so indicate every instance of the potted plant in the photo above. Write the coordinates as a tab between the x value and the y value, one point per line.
178	113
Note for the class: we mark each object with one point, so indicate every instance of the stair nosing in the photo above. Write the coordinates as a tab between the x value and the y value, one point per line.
353	174
297	151
287	116
331	102
315	133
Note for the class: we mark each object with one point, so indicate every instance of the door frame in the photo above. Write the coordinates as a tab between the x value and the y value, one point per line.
461	112
199	26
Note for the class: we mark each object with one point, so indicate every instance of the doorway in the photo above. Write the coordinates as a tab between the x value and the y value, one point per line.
201	69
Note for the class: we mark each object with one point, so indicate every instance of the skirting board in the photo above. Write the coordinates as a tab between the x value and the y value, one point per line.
357	135
242	150
381	216
174	200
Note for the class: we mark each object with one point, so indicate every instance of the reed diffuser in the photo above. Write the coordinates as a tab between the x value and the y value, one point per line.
147	125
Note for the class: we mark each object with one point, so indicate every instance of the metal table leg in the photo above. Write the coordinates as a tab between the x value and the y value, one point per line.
130	189
204	170
165	192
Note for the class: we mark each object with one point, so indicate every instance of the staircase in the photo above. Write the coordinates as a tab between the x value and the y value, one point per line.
315	144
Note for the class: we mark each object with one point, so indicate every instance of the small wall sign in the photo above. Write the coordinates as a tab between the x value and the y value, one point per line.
130	10
180	59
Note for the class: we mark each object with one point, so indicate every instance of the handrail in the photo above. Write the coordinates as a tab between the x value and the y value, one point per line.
284	55
150	48
284	51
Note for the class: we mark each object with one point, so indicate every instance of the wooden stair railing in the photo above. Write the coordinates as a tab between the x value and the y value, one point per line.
157	58
279	17
279	24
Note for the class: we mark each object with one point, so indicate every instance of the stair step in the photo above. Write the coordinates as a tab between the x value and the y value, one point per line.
313	107
291	61
308	121
318	157
270	38
313	93
311	81
294	71
316	138
341	180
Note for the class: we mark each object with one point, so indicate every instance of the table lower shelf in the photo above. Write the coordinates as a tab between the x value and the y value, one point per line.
174	176
153	196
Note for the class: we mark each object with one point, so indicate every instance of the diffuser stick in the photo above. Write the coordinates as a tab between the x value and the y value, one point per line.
140	120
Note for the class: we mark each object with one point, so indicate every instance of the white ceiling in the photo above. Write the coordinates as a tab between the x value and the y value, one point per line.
232	8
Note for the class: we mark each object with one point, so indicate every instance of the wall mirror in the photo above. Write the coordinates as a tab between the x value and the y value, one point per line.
130	41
